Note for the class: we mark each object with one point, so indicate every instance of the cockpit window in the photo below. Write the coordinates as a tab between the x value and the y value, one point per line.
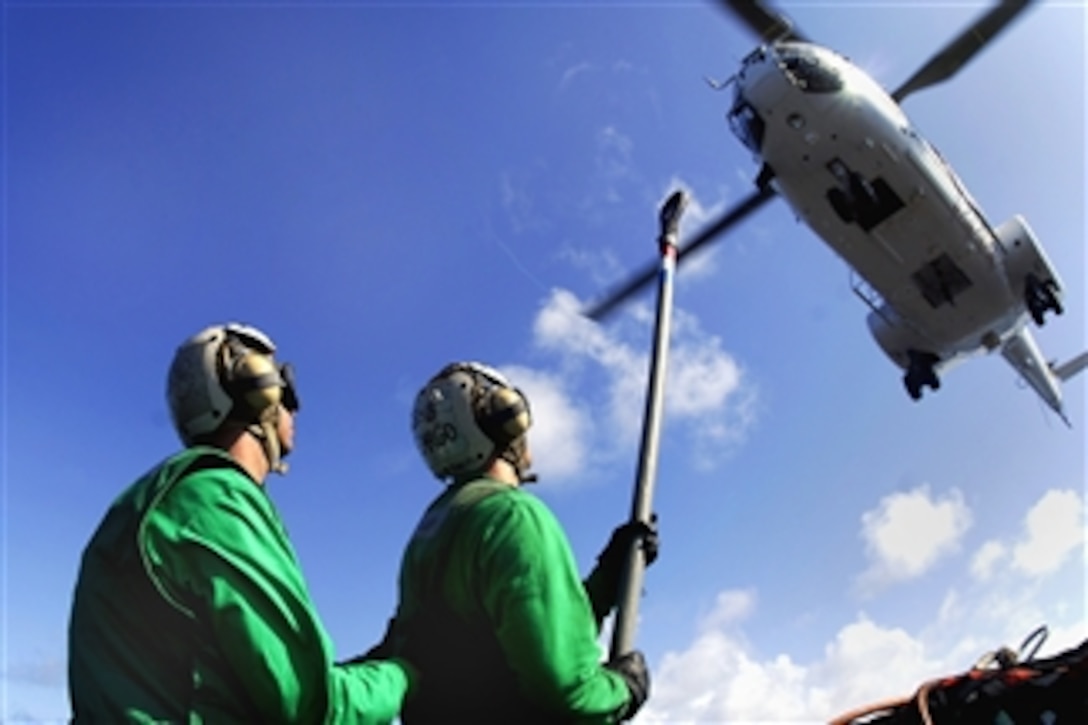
745	122
808	72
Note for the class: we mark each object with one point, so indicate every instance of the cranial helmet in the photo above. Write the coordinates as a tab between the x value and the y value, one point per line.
228	373
468	415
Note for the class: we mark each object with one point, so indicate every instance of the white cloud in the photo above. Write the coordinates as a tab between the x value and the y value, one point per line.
986	558
907	533
730	607
951	607
704	388
1065	637
722	677
560	327
719	678
560	428
519	205
1053	529
613	162
867	662
601	264
573	72
701	374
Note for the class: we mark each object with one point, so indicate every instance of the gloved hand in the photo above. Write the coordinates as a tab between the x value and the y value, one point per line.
632	668
602	584
611	557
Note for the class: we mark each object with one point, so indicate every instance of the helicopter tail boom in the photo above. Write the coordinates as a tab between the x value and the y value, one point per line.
1022	353
1070	367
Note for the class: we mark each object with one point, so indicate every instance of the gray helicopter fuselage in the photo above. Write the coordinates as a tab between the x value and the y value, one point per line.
938	277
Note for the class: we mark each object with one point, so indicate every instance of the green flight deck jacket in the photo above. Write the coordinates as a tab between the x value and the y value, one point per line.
493	614
190	607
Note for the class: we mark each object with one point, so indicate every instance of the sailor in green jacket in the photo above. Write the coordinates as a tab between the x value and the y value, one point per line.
492	611
190	605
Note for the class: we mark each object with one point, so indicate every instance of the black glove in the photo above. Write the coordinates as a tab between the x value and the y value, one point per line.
632	668
603	583
611	559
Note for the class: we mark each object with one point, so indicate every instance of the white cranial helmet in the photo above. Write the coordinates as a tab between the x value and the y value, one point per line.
226	372
465	417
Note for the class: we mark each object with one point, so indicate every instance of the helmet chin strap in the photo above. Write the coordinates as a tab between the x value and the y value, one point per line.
265	431
515	456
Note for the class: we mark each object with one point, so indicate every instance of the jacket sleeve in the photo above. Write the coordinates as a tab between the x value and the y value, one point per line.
602	592
543	617
218	549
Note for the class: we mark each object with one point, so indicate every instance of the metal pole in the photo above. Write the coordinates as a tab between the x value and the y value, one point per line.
623	635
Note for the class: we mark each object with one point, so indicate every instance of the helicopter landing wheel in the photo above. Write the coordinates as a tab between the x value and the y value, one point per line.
914	388
1041	297
921	373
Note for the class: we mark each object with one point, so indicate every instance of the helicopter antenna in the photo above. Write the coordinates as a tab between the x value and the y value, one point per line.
717	84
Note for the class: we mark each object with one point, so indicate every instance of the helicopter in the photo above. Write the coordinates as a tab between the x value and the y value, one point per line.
941	282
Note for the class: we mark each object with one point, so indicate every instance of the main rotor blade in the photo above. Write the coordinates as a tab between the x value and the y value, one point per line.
767	24
956	54
647	273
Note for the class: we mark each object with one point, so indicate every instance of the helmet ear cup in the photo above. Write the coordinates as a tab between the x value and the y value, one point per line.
503	415
225	372
253	382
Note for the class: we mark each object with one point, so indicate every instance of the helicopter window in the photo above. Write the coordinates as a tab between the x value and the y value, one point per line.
747	125
809	74
754	56
941	281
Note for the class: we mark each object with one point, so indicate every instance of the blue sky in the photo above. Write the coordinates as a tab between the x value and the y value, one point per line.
384	189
